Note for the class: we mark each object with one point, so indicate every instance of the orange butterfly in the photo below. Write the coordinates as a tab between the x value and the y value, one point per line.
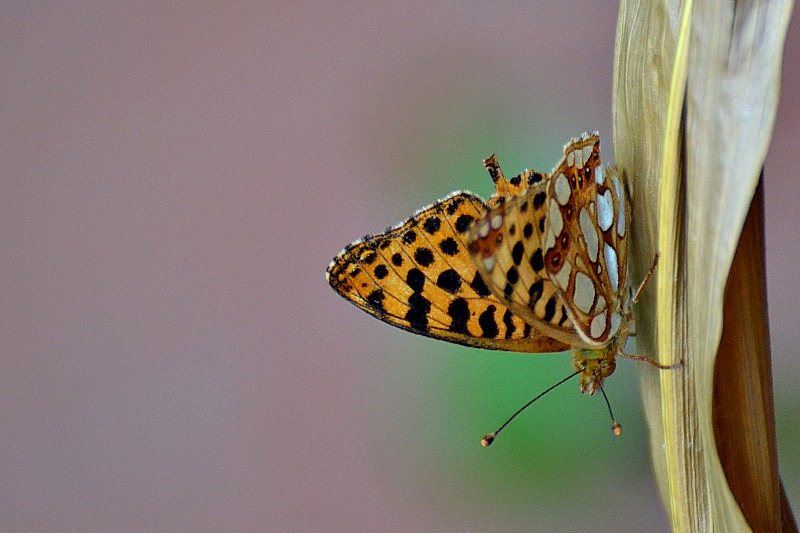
540	267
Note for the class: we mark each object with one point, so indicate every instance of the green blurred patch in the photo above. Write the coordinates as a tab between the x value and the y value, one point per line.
563	441
449	148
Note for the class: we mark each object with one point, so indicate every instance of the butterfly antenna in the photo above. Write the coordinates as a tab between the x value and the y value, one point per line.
616	427
489	439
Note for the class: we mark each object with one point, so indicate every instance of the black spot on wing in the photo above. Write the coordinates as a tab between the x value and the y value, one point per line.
423	256
397	259
550	309
516	253
432	225
459	312
449	246
535	292
563	316
449	280
452	207
375	299
463	222
381	271
479	286
537	260
415	279
417	315
535	177
512	275
510	327
539	199
488	324
508	290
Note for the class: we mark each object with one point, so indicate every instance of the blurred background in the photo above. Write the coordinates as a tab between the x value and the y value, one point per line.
175	180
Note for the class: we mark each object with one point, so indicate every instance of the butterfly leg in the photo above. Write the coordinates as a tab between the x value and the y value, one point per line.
646	278
649	361
638	293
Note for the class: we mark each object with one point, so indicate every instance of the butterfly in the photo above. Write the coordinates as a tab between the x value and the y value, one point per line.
540	267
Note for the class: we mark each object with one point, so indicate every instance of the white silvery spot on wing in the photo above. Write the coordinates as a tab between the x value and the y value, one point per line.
584	292
611	266
605	210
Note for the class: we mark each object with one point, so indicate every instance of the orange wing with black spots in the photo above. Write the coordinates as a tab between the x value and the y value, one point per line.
506	247
418	276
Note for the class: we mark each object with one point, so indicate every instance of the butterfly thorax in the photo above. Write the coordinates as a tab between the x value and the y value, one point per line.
594	366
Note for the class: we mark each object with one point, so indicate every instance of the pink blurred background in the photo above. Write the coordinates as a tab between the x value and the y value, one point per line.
175	180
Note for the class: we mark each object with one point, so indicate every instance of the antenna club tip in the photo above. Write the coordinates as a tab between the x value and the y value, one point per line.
616	428
487	440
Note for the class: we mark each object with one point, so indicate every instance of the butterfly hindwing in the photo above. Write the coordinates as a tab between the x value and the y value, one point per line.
585	242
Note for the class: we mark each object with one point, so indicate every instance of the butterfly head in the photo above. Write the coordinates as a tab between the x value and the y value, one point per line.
594	366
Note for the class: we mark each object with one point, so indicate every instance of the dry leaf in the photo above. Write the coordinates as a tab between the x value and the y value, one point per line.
713	146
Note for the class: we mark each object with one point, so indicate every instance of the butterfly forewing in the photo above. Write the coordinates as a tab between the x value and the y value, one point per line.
506	246
418	276
585	247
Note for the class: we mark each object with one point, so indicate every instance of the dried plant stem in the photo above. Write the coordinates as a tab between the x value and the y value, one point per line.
744	422
677	397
